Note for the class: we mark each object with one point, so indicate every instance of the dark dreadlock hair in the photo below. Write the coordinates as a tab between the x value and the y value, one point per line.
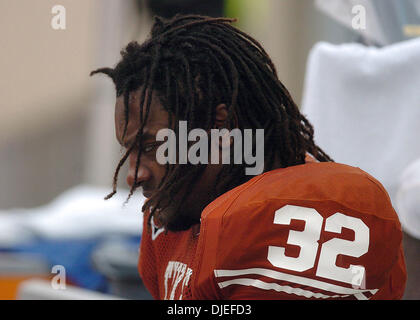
194	63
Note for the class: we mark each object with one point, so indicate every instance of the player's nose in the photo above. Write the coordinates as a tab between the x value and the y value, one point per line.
143	174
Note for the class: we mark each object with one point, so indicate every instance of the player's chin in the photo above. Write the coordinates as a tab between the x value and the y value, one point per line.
147	194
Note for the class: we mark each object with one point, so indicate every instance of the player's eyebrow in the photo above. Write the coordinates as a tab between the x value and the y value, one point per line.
145	136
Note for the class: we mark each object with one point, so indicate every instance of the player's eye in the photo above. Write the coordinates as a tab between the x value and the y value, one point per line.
149	147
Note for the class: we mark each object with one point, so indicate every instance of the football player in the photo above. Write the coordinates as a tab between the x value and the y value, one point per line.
306	228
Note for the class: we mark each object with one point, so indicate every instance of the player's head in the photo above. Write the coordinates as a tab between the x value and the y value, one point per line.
210	74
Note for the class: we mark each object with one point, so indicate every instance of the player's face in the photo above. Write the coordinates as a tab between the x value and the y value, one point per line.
150	172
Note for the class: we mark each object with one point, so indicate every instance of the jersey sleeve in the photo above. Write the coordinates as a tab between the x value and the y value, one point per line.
263	247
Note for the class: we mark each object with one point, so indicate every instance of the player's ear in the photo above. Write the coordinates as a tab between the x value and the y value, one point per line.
221	116
221	122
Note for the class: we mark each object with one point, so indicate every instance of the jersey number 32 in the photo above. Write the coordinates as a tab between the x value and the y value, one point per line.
308	239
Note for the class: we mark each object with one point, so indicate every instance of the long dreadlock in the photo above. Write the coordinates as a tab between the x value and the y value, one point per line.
194	63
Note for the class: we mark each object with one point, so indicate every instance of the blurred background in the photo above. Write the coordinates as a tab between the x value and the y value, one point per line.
352	67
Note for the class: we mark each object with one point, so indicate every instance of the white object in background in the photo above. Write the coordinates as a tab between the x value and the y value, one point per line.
78	213
364	104
37	289
82	212
12	233
408	199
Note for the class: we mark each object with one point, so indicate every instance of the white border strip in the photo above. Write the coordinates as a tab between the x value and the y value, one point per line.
290	278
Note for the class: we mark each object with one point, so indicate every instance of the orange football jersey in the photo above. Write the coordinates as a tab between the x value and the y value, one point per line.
312	231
